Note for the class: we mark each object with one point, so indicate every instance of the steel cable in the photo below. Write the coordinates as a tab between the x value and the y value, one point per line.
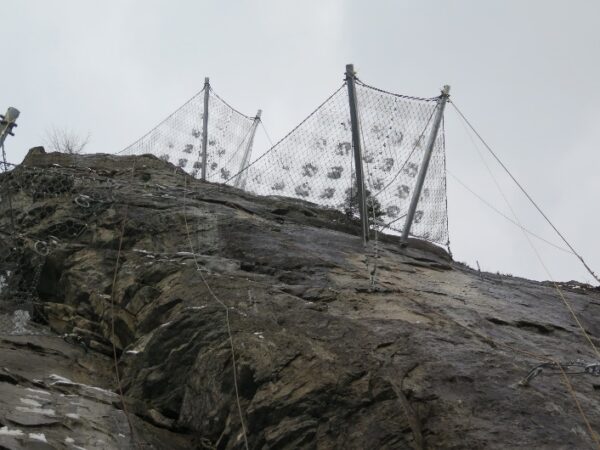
522	189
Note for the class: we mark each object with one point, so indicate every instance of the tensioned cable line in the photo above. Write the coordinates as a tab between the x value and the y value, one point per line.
496	210
266	132
407	97
228	105
539	257
372	273
225	307
243	141
492	206
289	176
112	315
524	191
566	380
389	224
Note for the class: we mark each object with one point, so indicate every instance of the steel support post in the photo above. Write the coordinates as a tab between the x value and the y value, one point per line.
7	123
414	201
240	180
205	128
356	145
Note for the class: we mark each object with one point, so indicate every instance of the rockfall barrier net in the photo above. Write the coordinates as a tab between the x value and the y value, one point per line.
315	161
28	196
178	138
395	130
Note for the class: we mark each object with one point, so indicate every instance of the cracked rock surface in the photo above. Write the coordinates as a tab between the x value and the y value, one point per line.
430	356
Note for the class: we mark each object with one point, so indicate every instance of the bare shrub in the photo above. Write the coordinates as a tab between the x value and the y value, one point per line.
65	141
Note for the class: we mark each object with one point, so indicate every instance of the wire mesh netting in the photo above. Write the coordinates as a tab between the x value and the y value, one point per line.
314	162
229	132
394	131
25	245
178	138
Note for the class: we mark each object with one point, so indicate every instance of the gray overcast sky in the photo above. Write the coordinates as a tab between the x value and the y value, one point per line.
525	72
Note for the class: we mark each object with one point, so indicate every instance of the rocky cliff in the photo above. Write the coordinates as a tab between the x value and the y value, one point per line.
263	322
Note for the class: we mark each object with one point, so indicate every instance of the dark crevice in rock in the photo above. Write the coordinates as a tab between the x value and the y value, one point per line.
498	321
528	325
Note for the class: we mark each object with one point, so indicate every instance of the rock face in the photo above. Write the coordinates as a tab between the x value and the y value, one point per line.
264	322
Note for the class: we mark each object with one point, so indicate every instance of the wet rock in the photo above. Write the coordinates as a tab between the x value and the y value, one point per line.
328	351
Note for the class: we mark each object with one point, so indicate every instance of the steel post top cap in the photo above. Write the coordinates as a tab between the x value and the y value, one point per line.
11	115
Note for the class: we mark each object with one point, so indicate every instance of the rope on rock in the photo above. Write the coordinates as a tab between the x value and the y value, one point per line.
497	211
372	204
220	302
494	343
535	250
555	284
112	317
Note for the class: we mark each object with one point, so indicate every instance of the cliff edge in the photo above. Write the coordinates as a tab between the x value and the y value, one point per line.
237	320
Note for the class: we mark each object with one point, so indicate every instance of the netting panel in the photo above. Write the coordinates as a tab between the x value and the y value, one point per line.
228	135
395	131
314	162
178	139
45	211
24	246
